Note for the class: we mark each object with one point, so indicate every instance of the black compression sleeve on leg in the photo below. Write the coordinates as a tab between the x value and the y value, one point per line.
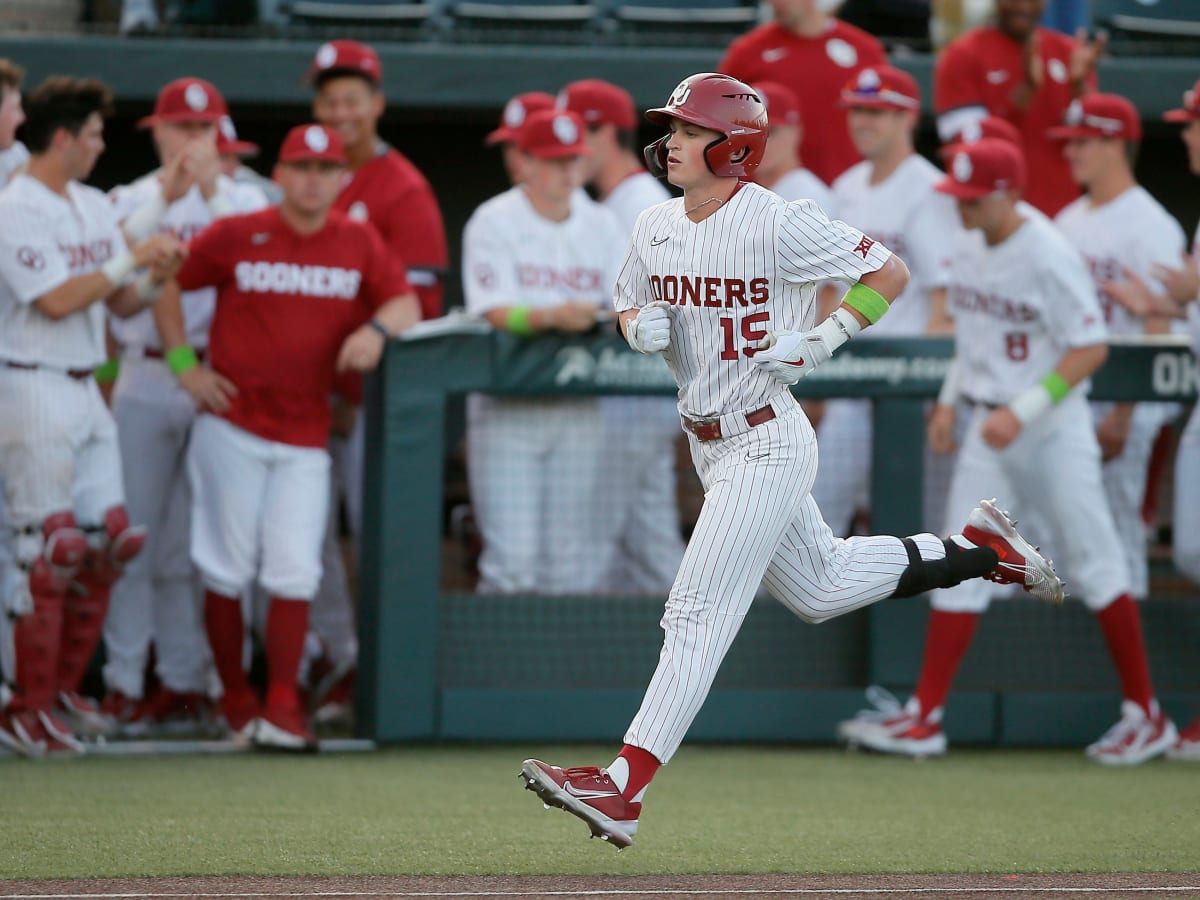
958	565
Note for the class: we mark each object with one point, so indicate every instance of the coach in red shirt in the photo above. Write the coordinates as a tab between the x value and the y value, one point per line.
814	54
303	291
1023	73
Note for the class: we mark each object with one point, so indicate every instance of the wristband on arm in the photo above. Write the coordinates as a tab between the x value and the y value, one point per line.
107	371
867	302
1036	400
117	268
838	328
517	321
181	359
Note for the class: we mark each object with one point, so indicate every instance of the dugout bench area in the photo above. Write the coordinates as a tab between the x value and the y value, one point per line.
448	665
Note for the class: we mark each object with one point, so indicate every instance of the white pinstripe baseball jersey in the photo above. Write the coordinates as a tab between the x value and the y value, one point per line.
904	212
185	218
45	240
1132	231
748	268
1018	307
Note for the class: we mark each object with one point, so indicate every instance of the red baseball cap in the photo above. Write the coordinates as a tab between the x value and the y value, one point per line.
516	111
599	103
1191	107
308	143
347	57
553	134
881	87
187	100
783	106
982	168
987	127
228	143
1099	115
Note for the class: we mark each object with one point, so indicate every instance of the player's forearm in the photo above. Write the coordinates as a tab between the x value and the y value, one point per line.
168	317
889	280
1079	363
1073	367
939	320
399	314
74	294
624	318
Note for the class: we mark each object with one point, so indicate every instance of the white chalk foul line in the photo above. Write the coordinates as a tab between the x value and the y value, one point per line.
780	892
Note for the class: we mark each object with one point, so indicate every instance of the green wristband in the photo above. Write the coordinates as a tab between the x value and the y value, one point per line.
867	301
517	321
107	371
1056	386
181	359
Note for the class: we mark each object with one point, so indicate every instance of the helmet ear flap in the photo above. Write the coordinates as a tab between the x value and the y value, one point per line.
716	156
655	156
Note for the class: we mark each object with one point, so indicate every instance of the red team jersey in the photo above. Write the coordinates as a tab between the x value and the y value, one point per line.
285	303
983	68
816	69
390	192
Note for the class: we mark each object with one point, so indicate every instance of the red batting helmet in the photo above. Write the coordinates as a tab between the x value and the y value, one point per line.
723	104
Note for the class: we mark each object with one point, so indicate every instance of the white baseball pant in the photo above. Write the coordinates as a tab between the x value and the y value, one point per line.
637	504
759	523
157	600
534	466
1051	470
1187	499
260	510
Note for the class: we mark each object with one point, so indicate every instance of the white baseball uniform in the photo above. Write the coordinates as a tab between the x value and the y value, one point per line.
904	212
1133	231
11	160
638	496
158	598
1187	465
58	443
1018	307
801	184
750	267
535	462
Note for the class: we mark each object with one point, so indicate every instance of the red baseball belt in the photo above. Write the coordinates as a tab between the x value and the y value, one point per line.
710	429
77	374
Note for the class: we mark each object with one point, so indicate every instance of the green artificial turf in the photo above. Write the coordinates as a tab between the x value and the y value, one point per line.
461	810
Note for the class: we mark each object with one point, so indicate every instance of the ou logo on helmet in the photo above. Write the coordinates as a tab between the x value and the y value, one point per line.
681	95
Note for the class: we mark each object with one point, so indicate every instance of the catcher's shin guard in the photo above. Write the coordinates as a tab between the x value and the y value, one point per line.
87	604
37	637
956	566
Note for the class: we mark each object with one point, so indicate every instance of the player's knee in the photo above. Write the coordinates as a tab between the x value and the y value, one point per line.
957	566
51	553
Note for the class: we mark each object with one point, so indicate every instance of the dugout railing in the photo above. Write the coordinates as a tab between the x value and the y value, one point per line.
449	665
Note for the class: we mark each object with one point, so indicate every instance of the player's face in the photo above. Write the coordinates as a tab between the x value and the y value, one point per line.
310	187
1018	18
1091	158
1191	139
876	132
983	213
686	166
602	140
83	149
783	147
554	180
11	116
351	107
789	12
172	137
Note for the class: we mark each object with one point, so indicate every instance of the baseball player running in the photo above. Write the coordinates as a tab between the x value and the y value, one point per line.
1028	331
295	285
540	257
723	283
61	252
638	498
890	196
157	600
1119	228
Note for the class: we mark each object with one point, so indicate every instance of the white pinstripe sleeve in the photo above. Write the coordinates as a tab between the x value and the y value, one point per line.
30	260
632	290
813	248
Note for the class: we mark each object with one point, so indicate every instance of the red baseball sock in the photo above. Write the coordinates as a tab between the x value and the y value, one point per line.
642	768
1122	626
946	641
226	637
287	624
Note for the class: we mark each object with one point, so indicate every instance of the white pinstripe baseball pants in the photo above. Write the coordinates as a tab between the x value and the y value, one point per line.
759	522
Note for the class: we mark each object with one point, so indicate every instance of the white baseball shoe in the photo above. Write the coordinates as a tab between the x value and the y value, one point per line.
1020	562
908	733
884	707
1138	736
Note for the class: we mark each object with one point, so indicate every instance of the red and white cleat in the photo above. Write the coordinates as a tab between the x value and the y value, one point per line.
1187	745
589	793
282	728
1020	562
84	715
1137	737
885	708
907	733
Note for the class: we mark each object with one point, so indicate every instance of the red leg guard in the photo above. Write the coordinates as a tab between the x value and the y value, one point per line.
125	541
83	620
64	549
36	639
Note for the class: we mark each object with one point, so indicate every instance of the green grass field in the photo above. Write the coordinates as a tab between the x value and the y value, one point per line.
461	810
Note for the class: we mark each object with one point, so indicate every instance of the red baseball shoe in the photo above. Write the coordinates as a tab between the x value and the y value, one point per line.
1020	562
907	732
1137	737
589	793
